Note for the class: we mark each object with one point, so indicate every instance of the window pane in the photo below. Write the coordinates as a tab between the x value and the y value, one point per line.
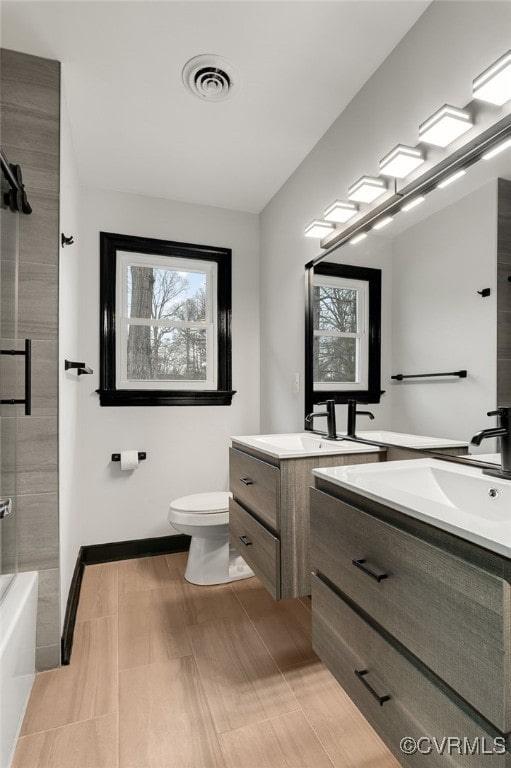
335	309
167	354
335	359
166	294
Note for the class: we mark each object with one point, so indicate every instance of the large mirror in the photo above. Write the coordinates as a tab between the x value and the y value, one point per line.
445	309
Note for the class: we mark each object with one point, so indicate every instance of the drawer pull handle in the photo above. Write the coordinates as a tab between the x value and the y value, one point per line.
246	481
245	540
360	673
377	576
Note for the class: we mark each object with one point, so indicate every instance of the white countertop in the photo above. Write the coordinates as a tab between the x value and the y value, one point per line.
450	496
302	444
410	441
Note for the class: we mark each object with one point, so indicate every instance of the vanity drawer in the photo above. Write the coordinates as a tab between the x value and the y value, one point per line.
452	615
255	484
416	708
257	546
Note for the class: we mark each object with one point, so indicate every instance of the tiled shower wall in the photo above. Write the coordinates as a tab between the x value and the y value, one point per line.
504	294
30	119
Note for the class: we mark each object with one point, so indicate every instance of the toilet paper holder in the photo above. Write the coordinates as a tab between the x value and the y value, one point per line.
141	456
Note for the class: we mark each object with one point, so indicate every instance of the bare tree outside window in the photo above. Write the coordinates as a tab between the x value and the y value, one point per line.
161	350
334	354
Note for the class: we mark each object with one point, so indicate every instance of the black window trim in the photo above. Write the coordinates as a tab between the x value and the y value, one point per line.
373	393
109	394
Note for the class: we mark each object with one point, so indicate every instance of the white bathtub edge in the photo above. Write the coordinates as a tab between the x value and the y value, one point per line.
18	614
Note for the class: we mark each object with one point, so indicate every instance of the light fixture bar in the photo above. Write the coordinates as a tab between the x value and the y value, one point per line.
366	189
497	150
450	179
358	238
383	222
318	228
401	161
445	125
413	204
340	211
494	84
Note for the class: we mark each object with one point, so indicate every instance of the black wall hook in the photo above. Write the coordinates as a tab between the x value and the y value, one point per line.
485	292
66	240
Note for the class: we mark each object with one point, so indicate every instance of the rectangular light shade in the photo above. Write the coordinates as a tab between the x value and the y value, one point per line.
340	211
450	179
446	125
401	161
367	189
383	222
413	203
358	238
319	228
494	84
498	149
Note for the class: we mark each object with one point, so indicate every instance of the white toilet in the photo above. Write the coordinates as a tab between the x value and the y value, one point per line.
205	517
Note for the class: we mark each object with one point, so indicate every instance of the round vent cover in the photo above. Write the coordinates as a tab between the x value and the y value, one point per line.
208	77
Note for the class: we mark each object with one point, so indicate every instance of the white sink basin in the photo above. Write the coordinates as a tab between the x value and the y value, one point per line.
455	497
302	444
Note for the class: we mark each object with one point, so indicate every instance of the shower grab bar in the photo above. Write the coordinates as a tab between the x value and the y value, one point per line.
27	353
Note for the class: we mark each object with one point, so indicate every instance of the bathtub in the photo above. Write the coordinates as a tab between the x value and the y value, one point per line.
18	612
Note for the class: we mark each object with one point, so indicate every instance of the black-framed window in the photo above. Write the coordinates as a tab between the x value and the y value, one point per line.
343	334
165	323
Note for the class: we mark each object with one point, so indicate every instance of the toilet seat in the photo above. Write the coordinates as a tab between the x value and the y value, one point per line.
201	509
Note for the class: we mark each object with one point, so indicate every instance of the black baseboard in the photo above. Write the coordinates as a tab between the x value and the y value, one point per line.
107	553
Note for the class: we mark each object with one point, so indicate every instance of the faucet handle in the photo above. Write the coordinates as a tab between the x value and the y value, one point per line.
499	412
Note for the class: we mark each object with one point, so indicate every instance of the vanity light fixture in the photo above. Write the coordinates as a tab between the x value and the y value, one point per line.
445	125
494	84
401	161
358	238
383	222
340	211
319	228
497	150
450	179
366	189
413	204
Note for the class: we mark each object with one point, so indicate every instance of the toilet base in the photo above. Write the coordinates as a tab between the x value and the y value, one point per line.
211	560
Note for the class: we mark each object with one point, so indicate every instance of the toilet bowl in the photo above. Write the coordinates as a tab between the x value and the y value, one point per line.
205	517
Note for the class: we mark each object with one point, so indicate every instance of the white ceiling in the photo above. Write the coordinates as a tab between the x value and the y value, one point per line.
136	129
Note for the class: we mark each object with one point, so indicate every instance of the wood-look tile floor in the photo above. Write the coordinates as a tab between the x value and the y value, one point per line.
165	674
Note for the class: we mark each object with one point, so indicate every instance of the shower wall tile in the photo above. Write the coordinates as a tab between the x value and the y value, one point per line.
37	301
37	455
38	531
48	625
25	69
30	124
40	171
39	232
25	128
47	657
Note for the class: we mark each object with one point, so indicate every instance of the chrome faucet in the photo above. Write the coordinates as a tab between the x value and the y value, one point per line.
330	418
503	431
352	417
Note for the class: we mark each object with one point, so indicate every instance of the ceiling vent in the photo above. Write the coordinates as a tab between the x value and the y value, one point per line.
209	77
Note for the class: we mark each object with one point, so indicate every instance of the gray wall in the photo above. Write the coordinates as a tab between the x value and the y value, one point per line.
30	107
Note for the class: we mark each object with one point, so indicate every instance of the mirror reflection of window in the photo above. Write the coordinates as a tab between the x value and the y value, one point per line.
341	345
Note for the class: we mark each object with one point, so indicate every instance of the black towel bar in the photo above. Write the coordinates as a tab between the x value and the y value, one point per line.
401	376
